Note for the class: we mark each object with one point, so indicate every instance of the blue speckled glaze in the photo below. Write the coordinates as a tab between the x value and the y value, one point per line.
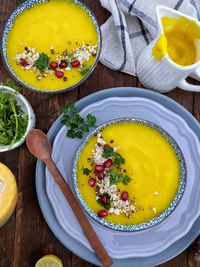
27	5
163	215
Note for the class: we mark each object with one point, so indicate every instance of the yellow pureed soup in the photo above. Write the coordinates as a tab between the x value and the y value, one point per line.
52	45
179	41
142	167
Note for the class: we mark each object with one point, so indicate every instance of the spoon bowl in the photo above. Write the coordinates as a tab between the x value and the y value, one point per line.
39	144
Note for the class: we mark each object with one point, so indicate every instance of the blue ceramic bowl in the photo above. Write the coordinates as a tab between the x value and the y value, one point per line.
27	5
163	215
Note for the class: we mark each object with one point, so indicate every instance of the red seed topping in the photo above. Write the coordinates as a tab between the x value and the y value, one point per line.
99	168
102	213
91	182
108	163
53	65
59	74
124	196
75	63
63	65
23	62
104	199
101	175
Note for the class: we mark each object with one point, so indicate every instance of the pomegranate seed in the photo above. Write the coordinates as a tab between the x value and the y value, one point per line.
102	213
124	196
92	182
75	64
59	74
108	163
53	65
104	199
23	62
63	65
99	168
101	175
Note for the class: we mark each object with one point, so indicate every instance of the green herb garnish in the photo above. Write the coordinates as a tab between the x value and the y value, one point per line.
76	125
84	70
106	206
42	62
68	58
119	178
110	153
86	171
13	121
118	160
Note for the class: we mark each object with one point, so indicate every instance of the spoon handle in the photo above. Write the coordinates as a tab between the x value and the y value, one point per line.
80	215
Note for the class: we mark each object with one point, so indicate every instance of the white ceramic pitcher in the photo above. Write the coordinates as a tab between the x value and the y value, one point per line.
164	75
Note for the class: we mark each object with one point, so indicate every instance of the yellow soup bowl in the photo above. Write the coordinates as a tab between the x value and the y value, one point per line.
51	45
143	174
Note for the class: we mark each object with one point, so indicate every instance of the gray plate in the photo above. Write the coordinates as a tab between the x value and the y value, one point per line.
46	208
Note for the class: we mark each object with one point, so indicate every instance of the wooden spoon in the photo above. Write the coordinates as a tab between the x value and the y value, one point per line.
40	146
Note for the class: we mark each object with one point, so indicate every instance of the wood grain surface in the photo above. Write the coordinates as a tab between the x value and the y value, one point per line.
26	237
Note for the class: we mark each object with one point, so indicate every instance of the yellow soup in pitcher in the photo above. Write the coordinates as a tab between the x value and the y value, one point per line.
128	174
179	41
52	45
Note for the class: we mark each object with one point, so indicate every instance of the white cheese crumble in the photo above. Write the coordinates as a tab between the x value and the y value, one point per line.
156	193
118	206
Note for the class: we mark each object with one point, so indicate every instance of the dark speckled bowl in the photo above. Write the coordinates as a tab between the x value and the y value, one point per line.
160	217
27	5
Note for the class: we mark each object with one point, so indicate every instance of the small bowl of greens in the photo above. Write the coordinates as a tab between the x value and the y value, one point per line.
17	118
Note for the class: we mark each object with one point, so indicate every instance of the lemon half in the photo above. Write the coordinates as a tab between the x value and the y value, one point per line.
49	261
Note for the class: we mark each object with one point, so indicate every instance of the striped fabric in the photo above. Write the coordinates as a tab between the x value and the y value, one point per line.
131	27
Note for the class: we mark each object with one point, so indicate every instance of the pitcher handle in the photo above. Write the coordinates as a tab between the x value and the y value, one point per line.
196	74
183	84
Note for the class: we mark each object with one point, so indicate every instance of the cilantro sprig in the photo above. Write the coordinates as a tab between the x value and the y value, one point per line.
84	70
42	62
86	171
107	205
76	125
117	158
116	178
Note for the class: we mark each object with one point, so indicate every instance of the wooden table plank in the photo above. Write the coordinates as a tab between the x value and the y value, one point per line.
26	237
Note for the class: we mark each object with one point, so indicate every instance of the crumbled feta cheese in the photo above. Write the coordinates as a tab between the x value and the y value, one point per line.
156	193
118	205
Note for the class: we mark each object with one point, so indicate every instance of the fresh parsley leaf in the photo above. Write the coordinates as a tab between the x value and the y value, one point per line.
84	70
118	159
70	107
119	178
76	125
108	152
42	62
68	58
86	171
106	206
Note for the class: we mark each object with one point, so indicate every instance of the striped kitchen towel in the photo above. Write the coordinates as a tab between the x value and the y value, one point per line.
131	27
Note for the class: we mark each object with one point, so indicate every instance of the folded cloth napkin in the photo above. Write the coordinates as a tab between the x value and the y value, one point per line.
131	28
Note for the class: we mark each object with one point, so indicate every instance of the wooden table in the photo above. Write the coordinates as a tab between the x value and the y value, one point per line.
26	237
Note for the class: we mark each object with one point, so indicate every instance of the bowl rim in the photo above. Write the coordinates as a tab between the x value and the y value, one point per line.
174	203
11	19
29	112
